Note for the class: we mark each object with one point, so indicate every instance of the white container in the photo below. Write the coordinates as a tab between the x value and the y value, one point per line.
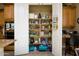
43	27
31	16
42	33
36	16
43	16
36	22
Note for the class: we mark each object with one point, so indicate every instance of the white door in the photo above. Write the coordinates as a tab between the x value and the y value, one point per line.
57	34
21	28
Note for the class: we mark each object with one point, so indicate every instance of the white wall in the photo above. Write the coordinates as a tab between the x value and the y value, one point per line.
21	28
57	34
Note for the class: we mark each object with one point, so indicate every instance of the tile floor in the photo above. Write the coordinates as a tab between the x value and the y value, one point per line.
37	53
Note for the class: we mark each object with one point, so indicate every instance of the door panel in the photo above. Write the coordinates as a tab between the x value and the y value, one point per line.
21	29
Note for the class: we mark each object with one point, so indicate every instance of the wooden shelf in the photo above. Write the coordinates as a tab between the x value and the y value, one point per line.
33	19
45	24
40	19
46	30
41	26
39	36
34	24
34	36
45	36
35	30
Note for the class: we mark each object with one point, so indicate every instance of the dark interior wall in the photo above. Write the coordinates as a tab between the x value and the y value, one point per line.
40	8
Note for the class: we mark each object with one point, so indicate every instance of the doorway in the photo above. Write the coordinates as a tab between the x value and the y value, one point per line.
40	29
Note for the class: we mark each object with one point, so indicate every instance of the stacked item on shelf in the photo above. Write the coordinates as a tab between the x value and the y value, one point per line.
39	15
43	46
33	44
39	31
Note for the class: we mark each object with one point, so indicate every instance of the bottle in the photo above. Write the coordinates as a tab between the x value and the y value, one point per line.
35	49
39	15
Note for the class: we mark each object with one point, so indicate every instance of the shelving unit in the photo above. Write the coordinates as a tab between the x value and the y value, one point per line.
40	26
41	29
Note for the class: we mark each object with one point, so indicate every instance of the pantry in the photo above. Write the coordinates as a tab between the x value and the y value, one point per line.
40	28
